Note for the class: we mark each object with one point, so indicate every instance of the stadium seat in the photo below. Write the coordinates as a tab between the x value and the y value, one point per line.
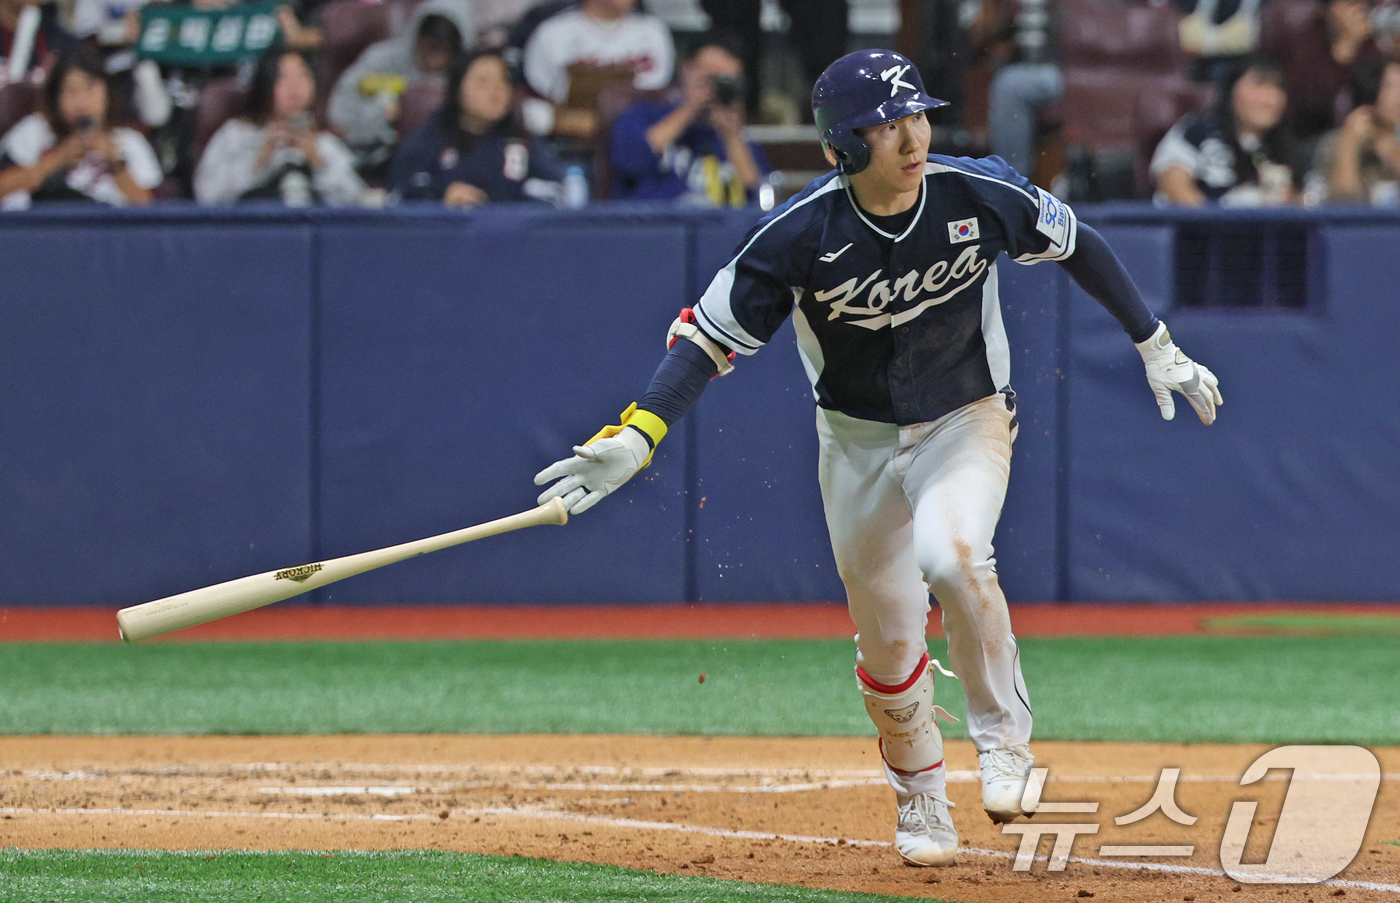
16	102
348	27
418	103
611	102
1135	36
220	101
1123	68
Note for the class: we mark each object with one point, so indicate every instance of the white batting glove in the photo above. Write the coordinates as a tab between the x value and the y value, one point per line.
1169	370
595	470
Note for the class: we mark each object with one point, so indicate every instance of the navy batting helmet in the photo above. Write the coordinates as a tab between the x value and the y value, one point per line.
861	89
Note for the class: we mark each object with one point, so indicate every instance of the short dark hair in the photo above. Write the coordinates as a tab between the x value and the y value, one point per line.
257	106
441	31
723	39
77	59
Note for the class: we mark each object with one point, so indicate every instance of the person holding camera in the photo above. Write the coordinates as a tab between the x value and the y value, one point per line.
690	145
276	151
75	149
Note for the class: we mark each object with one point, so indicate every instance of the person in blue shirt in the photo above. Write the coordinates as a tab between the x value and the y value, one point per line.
888	268
690	145
473	149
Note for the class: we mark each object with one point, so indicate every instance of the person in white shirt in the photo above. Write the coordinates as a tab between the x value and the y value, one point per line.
599	33
73	150
276	150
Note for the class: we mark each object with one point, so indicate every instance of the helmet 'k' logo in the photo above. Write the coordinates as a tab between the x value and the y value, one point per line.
895	76
903	715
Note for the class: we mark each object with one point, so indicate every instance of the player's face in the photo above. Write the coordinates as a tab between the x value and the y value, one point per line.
898	152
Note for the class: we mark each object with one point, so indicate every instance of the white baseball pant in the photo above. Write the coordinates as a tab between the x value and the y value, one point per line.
911	510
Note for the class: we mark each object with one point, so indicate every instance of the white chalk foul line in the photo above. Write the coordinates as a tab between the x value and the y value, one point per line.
567	786
815	778
637	824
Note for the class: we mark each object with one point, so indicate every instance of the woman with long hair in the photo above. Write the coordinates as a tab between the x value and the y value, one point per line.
277	149
1239	153
474	148
76	148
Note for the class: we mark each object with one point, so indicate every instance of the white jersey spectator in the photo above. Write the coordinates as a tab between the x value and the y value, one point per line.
276	151
74	151
92	176
599	33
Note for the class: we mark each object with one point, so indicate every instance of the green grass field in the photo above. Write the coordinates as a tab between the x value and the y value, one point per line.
1192	689
69	876
1212	688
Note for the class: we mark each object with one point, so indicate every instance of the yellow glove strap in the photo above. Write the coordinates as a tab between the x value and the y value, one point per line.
654	427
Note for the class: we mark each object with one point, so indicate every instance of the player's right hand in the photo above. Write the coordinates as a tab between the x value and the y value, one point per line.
1169	370
595	470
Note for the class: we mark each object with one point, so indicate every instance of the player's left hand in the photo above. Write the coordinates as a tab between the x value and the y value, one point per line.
1169	370
595	470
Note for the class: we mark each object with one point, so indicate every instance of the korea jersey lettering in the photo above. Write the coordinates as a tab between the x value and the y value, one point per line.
897	328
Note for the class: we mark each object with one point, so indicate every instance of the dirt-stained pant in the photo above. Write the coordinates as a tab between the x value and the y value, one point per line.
912	510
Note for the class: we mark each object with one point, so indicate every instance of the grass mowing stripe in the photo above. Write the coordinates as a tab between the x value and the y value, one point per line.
92	876
1188	689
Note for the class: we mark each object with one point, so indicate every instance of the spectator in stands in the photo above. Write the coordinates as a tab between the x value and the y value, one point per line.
690	145
1239	153
1218	35
608	36
496	18
49	40
1361	160
474	148
818	30
76	149
365	102
113	27
1317	58
1020	89
277	150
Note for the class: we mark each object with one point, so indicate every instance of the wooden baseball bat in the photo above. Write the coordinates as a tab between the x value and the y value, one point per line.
140	622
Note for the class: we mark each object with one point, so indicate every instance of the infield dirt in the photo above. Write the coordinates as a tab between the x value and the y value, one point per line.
802	811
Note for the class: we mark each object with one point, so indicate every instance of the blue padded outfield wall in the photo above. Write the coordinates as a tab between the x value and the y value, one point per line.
188	397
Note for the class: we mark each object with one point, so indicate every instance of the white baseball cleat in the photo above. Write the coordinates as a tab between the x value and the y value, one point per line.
925	834
1004	774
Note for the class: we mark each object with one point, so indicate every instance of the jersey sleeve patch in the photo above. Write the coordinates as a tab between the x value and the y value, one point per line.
1054	219
1056	224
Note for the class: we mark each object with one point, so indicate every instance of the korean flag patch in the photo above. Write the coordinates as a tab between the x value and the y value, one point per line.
963	230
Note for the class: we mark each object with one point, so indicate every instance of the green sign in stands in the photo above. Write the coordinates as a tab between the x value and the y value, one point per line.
180	35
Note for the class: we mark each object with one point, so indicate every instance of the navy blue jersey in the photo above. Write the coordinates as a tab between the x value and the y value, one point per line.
507	168
899	328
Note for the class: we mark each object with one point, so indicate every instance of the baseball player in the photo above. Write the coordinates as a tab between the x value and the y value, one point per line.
886	267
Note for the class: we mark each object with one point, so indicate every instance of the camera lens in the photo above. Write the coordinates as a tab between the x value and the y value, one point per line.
727	90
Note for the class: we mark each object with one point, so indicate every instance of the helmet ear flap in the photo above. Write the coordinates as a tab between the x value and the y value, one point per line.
851	152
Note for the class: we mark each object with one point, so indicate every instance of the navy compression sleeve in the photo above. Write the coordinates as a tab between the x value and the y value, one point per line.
1097	270
676	386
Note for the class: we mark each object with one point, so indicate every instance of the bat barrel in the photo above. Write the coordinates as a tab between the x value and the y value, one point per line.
177	612
140	622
